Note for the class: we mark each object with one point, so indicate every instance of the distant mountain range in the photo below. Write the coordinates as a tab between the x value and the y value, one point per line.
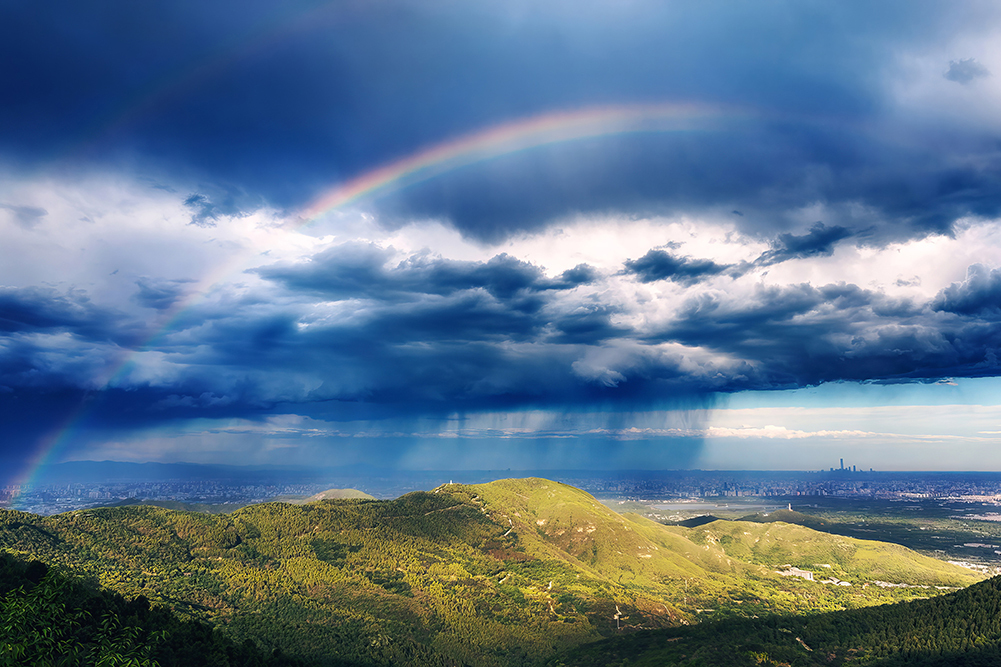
512	572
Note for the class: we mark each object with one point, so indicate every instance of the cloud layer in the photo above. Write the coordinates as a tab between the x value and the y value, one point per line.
359	323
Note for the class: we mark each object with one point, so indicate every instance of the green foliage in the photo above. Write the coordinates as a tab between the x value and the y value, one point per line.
50	618
499	574
333	552
962	628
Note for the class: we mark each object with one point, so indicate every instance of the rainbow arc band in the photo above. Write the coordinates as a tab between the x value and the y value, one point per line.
513	137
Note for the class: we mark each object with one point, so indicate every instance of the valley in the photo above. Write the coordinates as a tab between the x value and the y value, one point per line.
958	529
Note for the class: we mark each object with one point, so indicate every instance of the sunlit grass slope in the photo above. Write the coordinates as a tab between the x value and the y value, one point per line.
505	573
339	494
636	549
827	556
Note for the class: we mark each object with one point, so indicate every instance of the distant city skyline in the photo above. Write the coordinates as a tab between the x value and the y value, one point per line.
69	487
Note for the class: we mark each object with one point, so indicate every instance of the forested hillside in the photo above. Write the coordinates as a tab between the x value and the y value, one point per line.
506	573
962	629
49	617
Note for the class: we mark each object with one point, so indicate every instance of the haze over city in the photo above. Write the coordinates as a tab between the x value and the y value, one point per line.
490	236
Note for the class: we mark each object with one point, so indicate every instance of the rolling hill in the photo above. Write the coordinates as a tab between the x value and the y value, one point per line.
338	494
506	573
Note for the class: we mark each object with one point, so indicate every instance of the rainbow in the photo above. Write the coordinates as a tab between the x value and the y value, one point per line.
422	165
513	137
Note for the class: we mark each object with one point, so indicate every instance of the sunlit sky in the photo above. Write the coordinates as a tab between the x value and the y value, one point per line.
490	235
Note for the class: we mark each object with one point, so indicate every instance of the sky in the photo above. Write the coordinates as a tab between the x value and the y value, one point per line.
444	235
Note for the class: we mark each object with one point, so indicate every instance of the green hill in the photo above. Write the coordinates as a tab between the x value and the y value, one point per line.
780	545
505	573
338	494
962	629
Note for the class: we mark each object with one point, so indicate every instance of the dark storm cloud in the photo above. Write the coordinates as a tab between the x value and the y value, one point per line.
802	335
360	270
205	210
286	100
469	344
159	294
43	309
471	316
436	336
661	265
979	294
588	324
818	242
482	336
966	70
432	358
